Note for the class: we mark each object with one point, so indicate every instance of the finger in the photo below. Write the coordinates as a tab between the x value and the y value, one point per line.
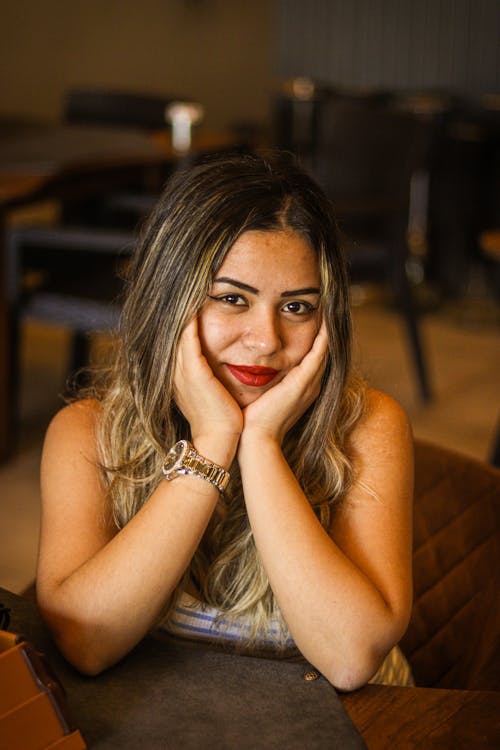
315	359
320	343
317	356
189	353
190	332
185	357
188	340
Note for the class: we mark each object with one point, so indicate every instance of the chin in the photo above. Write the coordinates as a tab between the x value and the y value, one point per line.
246	398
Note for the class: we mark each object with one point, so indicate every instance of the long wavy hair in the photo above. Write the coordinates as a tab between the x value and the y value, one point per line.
199	216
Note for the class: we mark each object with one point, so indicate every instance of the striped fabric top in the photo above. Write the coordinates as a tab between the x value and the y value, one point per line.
193	622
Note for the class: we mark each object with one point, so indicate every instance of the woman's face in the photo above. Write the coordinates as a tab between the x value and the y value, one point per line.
262	313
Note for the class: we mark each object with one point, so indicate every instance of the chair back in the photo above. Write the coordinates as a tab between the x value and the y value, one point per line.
453	640
366	155
121	108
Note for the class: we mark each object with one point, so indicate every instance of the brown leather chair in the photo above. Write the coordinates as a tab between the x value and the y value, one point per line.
453	640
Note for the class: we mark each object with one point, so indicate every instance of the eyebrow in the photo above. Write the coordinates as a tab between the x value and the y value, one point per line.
298	292
253	290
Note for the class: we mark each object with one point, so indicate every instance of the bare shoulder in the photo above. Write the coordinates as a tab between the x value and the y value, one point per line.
71	445
383	423
82	414
75	424
381	446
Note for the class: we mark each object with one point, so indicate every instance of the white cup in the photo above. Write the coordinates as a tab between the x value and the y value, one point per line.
182	116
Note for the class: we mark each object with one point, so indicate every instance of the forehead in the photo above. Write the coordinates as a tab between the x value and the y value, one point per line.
283	255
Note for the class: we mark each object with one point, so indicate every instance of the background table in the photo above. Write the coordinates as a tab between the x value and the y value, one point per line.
41	162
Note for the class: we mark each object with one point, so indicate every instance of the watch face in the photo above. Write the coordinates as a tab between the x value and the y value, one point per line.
175	456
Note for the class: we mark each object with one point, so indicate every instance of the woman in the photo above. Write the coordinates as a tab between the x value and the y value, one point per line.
283	523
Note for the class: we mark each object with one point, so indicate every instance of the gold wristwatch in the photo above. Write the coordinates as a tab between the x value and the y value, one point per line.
183	458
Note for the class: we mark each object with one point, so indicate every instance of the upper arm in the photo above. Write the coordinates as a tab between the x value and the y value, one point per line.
373	525
76	522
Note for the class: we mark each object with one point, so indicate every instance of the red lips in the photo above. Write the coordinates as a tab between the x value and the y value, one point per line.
253	374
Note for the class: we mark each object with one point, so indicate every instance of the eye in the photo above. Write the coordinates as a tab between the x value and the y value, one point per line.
299	308
235	300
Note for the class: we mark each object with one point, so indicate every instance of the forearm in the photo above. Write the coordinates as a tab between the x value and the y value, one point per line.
101	609
336	615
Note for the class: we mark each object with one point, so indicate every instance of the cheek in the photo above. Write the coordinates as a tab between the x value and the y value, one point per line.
300	342
215	334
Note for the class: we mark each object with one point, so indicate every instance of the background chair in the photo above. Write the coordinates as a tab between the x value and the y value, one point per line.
112	107
67	273
297	111
124	109
149	113
367	158
65	276
453	640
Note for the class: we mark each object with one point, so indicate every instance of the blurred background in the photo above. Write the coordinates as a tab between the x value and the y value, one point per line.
394	106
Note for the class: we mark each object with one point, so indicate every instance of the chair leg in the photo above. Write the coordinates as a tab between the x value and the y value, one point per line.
406	303
79	352
495	448
14	376
408	310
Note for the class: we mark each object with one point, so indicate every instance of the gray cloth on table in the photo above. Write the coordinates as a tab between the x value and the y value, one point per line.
168	696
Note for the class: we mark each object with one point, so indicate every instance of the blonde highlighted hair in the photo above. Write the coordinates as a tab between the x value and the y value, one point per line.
198	218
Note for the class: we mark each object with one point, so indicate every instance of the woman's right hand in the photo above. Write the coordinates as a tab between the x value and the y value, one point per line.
208	407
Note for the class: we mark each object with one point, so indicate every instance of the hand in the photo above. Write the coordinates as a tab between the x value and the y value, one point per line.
277	410
208	407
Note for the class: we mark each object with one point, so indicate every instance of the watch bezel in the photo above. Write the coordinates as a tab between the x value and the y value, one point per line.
183	458
171	469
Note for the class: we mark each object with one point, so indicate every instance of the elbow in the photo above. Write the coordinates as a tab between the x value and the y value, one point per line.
346	677
90	667
351	669
345	680
85	661
350	665
85	645
84	652
86	667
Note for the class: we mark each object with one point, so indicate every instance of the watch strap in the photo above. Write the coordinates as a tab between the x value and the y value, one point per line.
194	463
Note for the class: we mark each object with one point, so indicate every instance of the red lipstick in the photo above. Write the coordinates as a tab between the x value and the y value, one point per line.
252	374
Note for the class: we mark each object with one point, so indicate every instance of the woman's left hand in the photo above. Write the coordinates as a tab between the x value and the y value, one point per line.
277	410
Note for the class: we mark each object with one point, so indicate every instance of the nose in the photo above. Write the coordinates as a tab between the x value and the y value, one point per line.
263	333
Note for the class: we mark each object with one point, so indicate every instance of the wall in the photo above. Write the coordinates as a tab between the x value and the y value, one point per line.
216	51
224	52
415	44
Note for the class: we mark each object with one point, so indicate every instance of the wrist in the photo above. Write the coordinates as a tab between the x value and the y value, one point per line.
258	439
219	448
184	459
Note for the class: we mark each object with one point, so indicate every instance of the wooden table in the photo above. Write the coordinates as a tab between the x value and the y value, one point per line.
42	162
389	718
